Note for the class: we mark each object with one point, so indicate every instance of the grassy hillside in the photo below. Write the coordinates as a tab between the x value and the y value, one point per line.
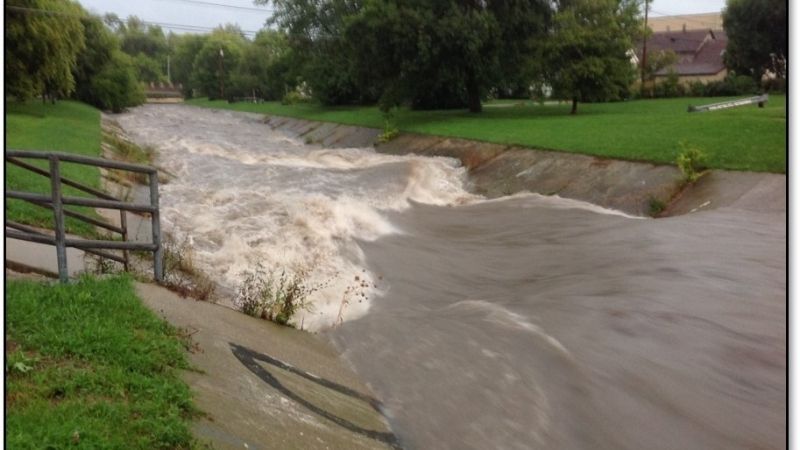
745	138
66	126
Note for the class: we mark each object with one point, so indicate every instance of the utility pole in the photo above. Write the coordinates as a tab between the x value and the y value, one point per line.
169	77
644	45
221	74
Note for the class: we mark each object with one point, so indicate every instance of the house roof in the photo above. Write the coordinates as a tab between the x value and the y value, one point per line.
700	52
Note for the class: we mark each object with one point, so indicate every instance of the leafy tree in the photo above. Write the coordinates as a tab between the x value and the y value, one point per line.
315	32
104	76
137	37
115	87
265	67
185	50
657	61
146	44
213	65
589	52
446	53
41	49
757	37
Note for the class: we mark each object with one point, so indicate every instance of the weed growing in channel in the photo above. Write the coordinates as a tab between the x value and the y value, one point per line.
275	296
655	206
181	275
390	131
691	162
357	290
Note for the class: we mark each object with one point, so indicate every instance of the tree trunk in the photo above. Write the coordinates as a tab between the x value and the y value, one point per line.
574	106
473	95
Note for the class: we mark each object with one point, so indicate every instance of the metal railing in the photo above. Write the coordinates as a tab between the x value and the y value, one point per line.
56	202
760	100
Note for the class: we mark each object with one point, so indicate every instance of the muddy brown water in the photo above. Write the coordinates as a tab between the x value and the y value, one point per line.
525	322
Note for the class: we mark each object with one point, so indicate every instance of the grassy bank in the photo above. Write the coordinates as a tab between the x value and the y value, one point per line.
75	376
66	126
746	138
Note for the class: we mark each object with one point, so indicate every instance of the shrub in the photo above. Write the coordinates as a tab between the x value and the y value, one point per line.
691	162
115	87
743	85
775	85
389	130
655	206
274	296
697	89
671	87
299	94
181	275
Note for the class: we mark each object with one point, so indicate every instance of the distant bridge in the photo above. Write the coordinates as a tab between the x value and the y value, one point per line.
164	92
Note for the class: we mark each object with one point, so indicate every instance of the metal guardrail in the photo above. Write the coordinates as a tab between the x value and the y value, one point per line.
758	99
56	201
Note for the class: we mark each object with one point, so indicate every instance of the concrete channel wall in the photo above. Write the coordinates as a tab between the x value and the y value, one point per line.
496	170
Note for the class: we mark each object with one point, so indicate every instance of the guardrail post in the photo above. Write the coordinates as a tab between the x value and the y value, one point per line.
123	223
58	215
158	254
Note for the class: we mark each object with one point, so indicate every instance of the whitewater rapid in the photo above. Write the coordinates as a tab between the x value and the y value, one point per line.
242	196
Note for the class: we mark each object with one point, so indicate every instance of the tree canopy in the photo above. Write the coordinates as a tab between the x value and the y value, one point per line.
589	54
757	37
433	54
42	42
428	54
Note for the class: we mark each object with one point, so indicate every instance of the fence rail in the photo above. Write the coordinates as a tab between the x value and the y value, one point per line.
56	202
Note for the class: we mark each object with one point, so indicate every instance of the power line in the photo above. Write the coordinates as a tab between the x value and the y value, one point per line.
223	5
173	26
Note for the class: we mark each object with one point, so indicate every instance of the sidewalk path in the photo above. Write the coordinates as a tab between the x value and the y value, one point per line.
265	386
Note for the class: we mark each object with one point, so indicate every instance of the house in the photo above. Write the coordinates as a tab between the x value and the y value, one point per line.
700	53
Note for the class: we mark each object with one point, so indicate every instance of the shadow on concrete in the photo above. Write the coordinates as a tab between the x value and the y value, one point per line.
250	359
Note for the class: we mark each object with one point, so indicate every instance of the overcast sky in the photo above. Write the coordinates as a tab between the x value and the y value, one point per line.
183	12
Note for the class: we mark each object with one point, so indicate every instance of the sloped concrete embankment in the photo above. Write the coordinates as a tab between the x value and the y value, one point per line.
496	170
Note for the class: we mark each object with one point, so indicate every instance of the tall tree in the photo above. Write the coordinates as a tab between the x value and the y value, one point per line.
185	48
265	67
42	42
590	50
757	37
445	53
146	44
213	65
316	35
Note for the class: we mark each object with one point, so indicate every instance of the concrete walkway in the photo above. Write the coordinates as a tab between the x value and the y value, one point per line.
264	386
259	385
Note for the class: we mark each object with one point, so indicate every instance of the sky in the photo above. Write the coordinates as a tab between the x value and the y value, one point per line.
252	18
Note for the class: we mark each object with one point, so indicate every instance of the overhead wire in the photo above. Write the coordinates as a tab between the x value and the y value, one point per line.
225	5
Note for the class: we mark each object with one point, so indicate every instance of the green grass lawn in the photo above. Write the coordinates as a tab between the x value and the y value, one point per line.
66	126
745	138
87	365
